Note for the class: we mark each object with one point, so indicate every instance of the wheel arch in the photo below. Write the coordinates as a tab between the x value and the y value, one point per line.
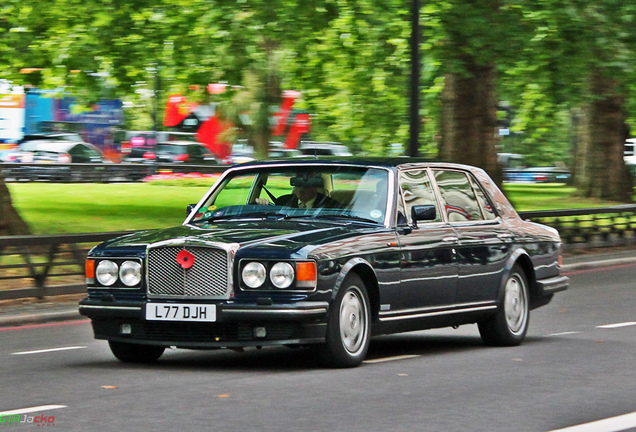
522	258
364	270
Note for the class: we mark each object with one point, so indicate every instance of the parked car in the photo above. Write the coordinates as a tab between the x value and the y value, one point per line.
312	148
537	175
511	161
50	159
181	152
6	149
281	153
52	136
243	153
381	246
629	154
136	144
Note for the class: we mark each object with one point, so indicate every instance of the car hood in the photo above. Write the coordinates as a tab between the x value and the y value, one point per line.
288	236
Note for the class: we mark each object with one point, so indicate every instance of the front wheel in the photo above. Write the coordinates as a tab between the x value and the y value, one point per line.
509	325
135	353
349	327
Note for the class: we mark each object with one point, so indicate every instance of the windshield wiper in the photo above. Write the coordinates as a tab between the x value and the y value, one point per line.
263	215
334	217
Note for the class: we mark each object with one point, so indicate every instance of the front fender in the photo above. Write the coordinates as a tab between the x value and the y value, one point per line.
346	269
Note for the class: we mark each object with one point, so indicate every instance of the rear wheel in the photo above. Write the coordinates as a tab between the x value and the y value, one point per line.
349	327
509	325
135	353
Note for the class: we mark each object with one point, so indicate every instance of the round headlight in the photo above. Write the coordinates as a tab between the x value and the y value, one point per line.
130	273
254	274
106	272
282	274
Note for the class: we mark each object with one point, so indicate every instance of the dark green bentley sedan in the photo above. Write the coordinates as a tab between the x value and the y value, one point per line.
325	254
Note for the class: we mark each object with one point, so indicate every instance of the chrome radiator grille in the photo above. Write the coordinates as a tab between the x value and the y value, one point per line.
208	277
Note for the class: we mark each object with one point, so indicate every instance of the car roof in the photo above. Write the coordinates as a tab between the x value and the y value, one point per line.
179	143
321	144
47	145
403	162
51	135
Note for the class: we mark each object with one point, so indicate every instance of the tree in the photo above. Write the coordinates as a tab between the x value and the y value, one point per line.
10	221
469	58
581	59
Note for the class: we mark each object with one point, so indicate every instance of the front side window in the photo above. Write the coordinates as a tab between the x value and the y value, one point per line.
417	191
300	191
459	199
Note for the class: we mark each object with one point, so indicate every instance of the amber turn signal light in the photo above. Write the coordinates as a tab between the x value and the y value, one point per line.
90	269
306	274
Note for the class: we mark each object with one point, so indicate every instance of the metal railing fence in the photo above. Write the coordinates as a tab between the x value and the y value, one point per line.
54	264
96	172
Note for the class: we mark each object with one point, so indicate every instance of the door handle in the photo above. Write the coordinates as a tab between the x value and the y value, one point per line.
506	236
450	239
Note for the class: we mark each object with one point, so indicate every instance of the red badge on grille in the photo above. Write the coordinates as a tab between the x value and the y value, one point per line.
185	259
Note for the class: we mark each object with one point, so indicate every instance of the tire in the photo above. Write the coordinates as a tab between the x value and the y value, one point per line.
509	325
135	353
349	326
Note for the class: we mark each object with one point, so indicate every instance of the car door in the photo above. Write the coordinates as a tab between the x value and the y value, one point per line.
483	240
428	257
78	155
194	154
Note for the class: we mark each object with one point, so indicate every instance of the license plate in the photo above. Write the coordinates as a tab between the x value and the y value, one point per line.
180	312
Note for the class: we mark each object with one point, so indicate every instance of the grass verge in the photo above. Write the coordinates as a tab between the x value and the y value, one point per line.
52	208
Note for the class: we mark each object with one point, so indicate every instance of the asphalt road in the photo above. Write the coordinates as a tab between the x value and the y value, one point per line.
576	367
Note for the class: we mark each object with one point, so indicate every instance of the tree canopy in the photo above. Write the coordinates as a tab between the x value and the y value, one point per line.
348	58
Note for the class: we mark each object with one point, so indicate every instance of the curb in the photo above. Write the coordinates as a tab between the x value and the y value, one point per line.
35	317
597	264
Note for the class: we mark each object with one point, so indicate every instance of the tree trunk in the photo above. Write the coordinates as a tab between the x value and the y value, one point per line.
10	221
268	95
469	119
601	171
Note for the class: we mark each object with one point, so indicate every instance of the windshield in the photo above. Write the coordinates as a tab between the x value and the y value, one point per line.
169	148
329	192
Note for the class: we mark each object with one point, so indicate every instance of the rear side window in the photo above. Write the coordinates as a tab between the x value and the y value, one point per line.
487	208
459	199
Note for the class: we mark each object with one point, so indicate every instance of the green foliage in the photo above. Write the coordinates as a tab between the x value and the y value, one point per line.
349	58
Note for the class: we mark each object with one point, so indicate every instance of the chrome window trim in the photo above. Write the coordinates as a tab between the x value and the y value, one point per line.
437	311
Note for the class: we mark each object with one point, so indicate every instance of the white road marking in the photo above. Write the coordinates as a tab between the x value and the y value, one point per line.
617	325
31	409
388	359
48	350
563	333
612	424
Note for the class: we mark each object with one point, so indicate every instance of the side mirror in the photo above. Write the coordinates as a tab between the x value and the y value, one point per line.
189	209
423	213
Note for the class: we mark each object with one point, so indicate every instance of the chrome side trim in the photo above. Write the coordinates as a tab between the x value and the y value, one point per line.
276	311
427	312
131	308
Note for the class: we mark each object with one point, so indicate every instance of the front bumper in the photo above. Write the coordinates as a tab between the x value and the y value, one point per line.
237	325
